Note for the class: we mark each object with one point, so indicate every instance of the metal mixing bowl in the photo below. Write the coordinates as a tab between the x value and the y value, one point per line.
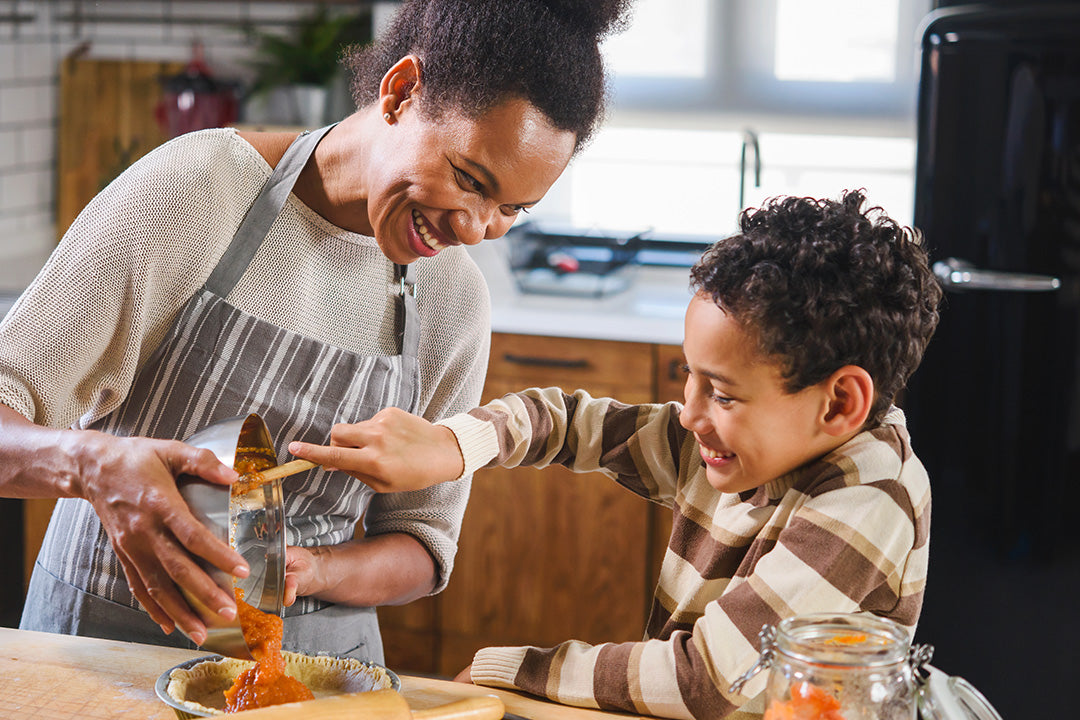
253	523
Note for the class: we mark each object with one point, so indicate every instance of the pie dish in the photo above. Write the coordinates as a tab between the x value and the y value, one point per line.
196	688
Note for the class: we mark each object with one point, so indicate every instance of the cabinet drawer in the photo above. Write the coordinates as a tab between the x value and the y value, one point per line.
670	378
570	363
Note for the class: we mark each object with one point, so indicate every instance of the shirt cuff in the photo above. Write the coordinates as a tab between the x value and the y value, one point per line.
476	438
497	666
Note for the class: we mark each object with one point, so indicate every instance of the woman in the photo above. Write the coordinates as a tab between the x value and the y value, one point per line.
196	287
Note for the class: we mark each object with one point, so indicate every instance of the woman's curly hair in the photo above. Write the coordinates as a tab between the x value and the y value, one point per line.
822	284
474	54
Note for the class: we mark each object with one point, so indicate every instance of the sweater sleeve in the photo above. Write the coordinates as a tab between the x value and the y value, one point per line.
835	544
638	446
108	294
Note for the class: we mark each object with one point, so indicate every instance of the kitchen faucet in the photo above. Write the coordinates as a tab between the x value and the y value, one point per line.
750	139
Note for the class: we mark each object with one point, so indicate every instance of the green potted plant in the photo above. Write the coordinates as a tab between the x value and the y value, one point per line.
302	65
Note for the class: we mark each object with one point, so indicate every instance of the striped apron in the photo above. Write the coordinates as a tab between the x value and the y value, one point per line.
219	362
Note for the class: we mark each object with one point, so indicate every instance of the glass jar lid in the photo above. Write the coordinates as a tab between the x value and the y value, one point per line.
949	697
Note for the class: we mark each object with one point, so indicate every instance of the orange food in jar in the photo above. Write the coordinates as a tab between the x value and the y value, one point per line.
265	683
850	639
808	702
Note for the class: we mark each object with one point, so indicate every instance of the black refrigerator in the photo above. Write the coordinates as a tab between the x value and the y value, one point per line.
994	410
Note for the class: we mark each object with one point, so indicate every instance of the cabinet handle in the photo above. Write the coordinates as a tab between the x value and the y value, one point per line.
674	370
564	363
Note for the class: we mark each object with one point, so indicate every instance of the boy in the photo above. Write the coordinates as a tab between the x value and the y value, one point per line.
790	474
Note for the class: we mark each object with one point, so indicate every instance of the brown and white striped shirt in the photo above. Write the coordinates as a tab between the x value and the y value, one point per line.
846	533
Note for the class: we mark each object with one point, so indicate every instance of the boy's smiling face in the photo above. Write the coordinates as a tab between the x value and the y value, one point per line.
749	429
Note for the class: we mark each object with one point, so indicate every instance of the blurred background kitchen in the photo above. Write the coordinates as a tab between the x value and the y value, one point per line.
717	104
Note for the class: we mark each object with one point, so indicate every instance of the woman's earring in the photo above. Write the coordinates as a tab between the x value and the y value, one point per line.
388	118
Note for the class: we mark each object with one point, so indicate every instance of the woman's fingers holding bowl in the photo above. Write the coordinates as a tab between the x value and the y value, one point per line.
138	589
149	577
176	584
184	459
299	572
200	541
132	486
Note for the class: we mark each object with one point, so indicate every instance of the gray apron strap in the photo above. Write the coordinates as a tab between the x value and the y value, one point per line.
263	212
408	317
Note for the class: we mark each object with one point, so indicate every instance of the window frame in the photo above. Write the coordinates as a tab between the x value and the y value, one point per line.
740	37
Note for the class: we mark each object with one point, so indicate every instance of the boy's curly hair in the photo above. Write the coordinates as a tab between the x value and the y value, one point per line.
822	284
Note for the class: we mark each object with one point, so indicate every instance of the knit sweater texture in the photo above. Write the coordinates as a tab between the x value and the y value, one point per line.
848	533
73	343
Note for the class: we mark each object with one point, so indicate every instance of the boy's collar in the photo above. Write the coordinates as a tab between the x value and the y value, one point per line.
775	489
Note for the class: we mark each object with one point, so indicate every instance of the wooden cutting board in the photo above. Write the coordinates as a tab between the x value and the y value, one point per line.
106	122
56	676
60	677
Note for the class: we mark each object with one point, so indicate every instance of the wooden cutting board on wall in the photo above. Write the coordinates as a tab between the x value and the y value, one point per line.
106	122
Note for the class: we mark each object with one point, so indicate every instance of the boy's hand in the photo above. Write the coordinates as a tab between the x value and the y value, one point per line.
392	452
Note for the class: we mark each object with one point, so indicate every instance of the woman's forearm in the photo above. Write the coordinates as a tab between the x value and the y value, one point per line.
35	462
390	569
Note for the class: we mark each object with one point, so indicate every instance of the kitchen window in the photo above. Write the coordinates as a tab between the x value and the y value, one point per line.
792	57
828	88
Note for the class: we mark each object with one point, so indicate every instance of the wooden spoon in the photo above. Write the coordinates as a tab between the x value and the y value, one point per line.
249	481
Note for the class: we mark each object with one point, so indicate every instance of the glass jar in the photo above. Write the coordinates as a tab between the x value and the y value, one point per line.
839	667
831	666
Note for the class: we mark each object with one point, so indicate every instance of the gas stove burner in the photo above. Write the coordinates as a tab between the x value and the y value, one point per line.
590	263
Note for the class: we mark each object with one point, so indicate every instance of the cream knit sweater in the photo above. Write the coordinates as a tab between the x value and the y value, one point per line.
72	344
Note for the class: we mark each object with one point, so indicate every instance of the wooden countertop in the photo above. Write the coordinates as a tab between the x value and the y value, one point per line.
56	677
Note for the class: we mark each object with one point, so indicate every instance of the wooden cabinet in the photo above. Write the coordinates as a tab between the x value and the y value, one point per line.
36	514
546	555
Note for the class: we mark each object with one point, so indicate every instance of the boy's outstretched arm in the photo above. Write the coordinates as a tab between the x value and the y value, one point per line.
395	451
392	452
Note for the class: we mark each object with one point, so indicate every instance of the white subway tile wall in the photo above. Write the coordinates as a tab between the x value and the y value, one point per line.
35	35
27	123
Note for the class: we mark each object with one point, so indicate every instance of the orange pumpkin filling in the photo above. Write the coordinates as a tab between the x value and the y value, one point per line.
249	463
807	702
265	683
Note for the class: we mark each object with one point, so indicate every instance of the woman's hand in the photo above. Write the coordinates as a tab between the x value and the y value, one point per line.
465	676
391	452
301	567
131	484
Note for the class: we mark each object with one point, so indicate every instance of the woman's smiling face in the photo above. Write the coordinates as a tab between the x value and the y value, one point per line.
450	180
